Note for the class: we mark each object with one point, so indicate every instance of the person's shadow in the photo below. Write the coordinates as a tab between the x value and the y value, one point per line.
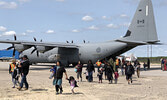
77	93
39	90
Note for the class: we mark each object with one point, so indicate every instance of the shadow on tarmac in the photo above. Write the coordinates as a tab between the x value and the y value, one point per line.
39	90
72	94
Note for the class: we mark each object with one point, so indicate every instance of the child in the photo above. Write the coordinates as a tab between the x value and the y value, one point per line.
100	74
53	71
73	83
86	73
116	75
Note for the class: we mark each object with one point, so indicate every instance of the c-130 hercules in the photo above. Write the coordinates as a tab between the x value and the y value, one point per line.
142	31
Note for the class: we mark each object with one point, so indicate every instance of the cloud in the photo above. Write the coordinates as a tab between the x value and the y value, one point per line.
50	31
124	16
8	33
87	18
8	5
106	18
75	31
112	26
24	34
23	1
125	24
2	28
93	27
29	31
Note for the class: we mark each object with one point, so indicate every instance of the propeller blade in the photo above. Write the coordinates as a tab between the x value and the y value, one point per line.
37	53
67	41
14	52
15	38
35	39
84	41
10	48
33	51
72	41
41	40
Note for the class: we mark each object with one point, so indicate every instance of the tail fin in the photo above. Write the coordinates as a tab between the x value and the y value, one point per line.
143	26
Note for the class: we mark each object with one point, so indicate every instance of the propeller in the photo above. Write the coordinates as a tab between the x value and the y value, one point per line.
13	47
72	41
35	39
84	41
15	38
35	48
67	41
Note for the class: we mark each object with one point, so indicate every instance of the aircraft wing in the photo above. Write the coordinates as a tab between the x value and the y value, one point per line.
47	44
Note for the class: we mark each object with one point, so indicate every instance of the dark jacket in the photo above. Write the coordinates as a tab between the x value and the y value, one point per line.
90	67
109	69
129	70
25	67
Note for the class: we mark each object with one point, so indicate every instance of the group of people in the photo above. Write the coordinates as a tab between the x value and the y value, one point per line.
107	69
57	75
21	68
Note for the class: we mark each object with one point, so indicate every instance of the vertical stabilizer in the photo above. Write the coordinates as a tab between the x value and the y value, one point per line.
142	27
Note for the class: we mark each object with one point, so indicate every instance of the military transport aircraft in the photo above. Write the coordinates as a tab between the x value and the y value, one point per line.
142	31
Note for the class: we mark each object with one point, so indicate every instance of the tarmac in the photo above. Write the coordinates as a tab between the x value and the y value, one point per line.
152	85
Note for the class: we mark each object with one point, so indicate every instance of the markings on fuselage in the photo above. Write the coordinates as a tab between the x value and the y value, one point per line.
98	50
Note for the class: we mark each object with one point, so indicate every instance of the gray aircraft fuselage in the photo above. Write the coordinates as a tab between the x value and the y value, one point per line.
85	52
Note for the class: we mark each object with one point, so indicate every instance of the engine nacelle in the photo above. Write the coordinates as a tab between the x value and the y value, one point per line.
43	49
20	47
54	57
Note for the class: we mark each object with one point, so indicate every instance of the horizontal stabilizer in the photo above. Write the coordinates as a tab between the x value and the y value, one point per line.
140	42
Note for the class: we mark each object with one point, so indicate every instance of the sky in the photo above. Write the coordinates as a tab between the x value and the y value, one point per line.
77	20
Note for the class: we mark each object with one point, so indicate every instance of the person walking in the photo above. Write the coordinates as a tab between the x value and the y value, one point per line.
109	71
11	71
90	68
145	65
79	71
122	66
105	70
58	77
162	63
116	75
138	69
98	64
148	63
129	70
16	73
117	64
24	72
73	83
